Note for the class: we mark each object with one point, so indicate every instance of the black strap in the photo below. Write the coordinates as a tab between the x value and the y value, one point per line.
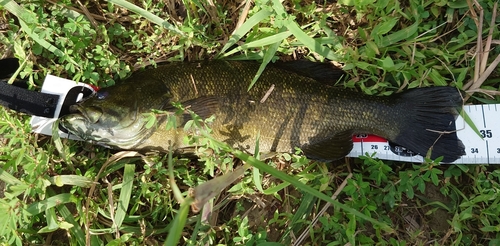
8	66
28	102
21	99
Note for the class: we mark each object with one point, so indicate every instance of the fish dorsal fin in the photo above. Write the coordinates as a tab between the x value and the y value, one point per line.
333	148
320	71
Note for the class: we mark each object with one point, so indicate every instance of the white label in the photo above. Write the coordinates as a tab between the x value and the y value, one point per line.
69	93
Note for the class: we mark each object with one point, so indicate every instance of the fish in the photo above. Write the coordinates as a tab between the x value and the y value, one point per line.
292	105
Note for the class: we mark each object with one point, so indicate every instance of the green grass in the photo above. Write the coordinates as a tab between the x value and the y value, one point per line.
62	192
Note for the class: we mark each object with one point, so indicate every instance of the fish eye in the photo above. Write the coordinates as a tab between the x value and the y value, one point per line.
101	95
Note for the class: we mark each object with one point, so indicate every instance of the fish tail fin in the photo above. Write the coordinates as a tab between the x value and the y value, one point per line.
429	122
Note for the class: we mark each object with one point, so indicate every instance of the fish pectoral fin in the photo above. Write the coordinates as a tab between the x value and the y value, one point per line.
333	148
204	107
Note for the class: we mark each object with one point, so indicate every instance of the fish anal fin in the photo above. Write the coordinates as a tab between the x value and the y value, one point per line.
329	149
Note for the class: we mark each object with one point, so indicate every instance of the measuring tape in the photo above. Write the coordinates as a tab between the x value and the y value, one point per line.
482	148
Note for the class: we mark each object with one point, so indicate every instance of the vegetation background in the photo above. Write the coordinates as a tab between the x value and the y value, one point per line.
60	192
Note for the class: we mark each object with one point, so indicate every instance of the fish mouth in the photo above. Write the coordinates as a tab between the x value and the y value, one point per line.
90	123
89	114
80	121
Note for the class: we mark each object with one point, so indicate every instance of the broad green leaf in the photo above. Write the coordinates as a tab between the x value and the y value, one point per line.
51	218
151	120
16	190
387	63
466	214
490	228
398	36
384	26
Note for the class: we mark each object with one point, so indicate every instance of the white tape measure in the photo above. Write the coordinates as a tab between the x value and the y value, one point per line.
479	150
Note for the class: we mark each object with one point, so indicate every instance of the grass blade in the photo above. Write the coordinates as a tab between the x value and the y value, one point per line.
275	189
268	56
311	43
175	189
276	38
8	178
39	207
175	231
256	172
283	176
305	208
75	231
244	29
50	216
469	122
125	194
294	28
250	160
148	15
75	180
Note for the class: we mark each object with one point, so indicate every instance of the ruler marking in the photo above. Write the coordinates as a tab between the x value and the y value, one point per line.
487	153
484	120
362	152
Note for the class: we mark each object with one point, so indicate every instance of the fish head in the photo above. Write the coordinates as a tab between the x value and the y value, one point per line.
116	116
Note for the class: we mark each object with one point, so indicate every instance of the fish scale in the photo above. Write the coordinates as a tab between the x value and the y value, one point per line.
284	100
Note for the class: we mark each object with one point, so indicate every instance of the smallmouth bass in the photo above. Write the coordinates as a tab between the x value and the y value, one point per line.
290	106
